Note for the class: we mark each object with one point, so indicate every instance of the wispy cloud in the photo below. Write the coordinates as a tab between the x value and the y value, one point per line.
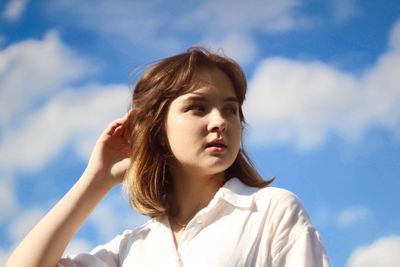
302	102
8	200
224	15
72	117
36	78
353	215
2	40
14	10
31	71
384	252
394	40
24	222
229	24
344	9
212	23
114	215
19	227
141	24
238	46
56	114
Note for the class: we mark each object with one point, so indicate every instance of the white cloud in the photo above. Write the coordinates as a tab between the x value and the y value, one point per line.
353	216
344	9
297	102
301	102
394	40
23	223
14	10
322	217
146	24
140	23
149	23
238	46
34	80
106	221
77	116
384	252
33	70
113	216
8	202
225	15
146	18
228	23
2	40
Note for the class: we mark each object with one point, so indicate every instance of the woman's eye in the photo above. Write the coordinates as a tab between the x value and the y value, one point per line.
231	110
197	108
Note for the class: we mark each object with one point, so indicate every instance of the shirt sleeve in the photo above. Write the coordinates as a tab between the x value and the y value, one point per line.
296	241
83	260
107	255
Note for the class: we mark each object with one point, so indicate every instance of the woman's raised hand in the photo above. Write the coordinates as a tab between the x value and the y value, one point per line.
111	155
106	168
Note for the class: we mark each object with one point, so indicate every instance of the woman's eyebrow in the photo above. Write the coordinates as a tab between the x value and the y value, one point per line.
203	98
196	98
231	99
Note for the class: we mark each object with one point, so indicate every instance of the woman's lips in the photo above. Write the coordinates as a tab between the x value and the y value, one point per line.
216	148
216	143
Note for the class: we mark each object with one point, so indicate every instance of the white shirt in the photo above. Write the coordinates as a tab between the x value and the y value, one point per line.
241	226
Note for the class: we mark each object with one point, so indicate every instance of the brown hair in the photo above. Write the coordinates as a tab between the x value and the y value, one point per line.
147	181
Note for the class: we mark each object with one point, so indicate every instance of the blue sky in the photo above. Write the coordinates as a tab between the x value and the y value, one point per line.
323	106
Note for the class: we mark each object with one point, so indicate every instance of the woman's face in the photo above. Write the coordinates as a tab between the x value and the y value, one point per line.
203	127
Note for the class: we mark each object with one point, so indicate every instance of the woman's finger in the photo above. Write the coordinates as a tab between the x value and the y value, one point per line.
128	114
113	125
119	130
126	117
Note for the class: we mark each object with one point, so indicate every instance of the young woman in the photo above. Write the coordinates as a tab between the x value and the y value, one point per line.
178	152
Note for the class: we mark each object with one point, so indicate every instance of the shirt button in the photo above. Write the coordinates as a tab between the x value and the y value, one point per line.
199	221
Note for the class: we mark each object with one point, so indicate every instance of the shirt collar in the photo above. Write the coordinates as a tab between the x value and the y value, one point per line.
234	192
237	193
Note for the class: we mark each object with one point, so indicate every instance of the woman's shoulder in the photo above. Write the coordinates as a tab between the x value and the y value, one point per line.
269	199
279	201
128	236
110	253
267	195
276	194
282	206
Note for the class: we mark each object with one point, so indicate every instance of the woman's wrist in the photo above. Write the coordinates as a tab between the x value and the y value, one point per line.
99	179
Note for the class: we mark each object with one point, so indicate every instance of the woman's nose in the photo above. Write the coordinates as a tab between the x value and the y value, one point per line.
217	122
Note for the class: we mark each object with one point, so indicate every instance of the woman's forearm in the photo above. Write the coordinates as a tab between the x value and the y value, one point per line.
46	242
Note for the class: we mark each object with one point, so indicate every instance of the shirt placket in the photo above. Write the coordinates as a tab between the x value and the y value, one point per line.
192	230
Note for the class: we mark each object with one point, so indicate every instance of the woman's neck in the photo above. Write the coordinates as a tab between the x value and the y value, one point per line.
191	193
